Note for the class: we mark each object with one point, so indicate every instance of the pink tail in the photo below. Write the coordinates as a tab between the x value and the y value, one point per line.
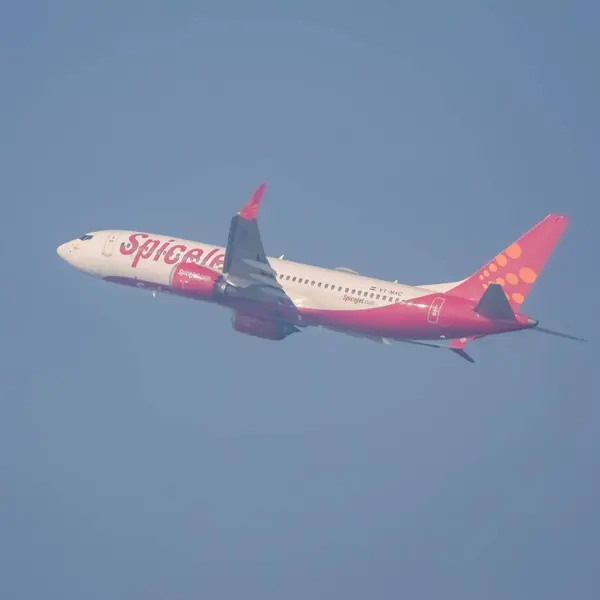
518	266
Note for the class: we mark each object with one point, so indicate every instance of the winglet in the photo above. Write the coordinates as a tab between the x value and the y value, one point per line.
250	209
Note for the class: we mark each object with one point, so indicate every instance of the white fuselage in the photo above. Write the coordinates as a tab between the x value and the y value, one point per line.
151	260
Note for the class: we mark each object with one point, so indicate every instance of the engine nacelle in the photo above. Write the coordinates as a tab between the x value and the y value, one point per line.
196	281
269	330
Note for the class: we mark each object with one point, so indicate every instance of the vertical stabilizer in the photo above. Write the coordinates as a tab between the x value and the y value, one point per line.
517	267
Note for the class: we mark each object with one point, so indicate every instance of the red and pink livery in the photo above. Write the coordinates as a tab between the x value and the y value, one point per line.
272	298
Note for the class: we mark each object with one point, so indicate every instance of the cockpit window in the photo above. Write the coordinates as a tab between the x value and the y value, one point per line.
85	237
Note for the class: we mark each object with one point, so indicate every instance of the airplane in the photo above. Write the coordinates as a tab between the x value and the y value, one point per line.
273	298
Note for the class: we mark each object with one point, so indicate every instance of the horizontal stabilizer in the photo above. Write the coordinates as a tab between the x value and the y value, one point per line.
460	352
458	347
559	334
494	304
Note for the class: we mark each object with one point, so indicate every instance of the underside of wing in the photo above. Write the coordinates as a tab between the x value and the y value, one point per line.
363	336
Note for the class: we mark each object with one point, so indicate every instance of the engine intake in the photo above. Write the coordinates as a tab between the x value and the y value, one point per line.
269	330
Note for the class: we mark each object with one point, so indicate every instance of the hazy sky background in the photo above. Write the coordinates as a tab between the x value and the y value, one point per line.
148	451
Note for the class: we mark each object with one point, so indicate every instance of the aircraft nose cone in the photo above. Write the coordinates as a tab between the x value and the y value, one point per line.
65	251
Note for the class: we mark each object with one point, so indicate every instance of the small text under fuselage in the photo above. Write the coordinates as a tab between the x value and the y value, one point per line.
357	300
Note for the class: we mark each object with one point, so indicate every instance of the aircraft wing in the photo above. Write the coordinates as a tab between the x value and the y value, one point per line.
245	265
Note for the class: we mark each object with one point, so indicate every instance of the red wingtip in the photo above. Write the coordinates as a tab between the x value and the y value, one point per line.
250	209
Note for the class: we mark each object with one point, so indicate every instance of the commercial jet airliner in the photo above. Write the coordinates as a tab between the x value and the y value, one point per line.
272	298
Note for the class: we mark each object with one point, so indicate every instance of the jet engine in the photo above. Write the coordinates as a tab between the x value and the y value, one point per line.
197	281
269	330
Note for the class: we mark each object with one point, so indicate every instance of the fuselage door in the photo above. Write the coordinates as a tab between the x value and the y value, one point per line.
109	245
435	309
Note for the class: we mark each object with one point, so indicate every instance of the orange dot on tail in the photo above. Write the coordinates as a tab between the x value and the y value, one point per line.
501	260
484	285
500	281
518	298
512	279
481	277
514	251
486	273
527	275
493	268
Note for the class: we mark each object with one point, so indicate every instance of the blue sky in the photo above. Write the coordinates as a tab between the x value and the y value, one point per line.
149	451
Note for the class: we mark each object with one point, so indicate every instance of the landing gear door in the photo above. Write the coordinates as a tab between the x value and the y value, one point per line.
435	309
109	245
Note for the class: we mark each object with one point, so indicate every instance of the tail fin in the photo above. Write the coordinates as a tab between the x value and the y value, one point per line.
518	266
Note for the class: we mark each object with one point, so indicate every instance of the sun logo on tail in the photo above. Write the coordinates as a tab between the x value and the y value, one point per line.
505	273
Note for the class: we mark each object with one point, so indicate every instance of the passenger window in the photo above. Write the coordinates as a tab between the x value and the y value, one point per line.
281	276
353	291
384	298
319	284
300	280
287	278
358	293
312	283
372	294
347	290
293	279
340	289
377	297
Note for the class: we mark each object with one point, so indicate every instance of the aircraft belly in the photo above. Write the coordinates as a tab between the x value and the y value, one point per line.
153	277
